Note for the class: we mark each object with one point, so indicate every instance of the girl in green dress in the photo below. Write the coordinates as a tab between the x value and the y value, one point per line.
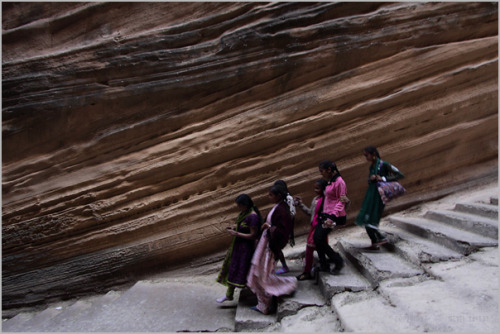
371	210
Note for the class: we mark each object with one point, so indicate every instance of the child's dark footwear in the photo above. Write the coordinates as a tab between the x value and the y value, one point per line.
380	243
337	269
315	273
304	276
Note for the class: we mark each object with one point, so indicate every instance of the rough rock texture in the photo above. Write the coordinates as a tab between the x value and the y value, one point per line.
129	128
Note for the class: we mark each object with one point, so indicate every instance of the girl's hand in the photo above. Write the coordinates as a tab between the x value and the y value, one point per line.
265	226
232	232
329	223
344	199
298	200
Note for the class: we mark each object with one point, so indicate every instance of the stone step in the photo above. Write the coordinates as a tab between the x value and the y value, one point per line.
143	308
370	312
418	250
480	209
70	316
37	321
459	296
459	240
79	317
18	322
349	279
461	299
246	319
307	294
477	224
379	265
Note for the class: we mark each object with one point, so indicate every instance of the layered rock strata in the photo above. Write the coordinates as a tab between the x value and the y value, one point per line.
128	129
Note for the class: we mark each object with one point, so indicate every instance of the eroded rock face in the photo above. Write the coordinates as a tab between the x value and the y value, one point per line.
128	129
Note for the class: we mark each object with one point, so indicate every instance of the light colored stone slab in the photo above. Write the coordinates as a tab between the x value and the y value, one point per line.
484	226
418	250
17	323
379	265
309	320
482	209
369	312
307	294
166	307
466	303
45	317
457	239
247	319
349	279
79	317
391	265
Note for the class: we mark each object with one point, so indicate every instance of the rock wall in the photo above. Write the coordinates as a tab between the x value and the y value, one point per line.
128	129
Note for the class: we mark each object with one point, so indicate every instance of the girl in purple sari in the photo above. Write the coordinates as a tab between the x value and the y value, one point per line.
233	273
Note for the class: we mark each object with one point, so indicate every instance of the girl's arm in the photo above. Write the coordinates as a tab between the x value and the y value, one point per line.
390	172
303	207
341	191
252	235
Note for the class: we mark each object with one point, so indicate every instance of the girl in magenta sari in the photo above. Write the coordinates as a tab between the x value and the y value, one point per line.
262	279
313	211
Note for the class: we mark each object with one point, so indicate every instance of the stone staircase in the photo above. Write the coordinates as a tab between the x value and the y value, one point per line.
439	273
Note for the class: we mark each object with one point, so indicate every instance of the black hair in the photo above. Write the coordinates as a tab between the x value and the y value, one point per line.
282	184
372	150
322	183
246	200
326	164
279	190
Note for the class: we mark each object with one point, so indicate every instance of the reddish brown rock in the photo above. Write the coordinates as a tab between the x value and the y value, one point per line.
129	128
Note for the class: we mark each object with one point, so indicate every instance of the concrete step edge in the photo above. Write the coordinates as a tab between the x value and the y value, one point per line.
350	307
473	223
480	209
418	250
372	266
462	241
350	279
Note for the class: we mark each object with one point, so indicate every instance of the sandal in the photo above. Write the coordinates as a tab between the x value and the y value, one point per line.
256	309
371	248
304	276
223	299
380	243
282	271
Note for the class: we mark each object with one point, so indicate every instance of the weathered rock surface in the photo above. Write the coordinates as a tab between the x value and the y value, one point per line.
129	128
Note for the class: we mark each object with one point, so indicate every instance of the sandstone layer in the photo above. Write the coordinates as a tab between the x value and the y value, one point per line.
128	129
